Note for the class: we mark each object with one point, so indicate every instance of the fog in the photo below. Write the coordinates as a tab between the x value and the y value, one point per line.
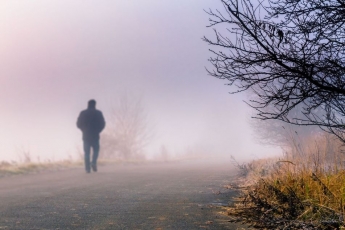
56	55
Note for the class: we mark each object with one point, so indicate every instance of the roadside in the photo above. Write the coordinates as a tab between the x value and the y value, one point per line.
21	168
11	169
281	194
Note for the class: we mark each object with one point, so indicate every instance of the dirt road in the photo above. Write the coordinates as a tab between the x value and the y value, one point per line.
147	196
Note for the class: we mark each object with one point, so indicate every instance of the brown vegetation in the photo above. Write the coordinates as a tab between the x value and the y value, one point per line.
303	190
15	168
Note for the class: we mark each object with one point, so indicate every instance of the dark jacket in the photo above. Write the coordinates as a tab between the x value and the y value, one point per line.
91	122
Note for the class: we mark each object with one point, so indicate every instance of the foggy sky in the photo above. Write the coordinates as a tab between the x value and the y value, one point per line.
56	55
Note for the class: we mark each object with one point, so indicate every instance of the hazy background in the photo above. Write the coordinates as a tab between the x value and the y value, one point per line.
56	55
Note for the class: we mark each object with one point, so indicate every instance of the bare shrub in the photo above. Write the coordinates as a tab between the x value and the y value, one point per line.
127	132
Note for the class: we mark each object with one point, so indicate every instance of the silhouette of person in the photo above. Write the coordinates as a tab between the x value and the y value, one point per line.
91	122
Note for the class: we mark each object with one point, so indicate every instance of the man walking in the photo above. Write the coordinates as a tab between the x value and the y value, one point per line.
91	123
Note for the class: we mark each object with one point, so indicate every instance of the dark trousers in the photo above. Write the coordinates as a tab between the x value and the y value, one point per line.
94	144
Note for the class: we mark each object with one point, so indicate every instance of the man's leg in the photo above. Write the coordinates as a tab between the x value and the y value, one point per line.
87	148
95	146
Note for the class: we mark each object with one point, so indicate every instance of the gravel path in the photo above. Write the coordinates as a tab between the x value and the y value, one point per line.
147	196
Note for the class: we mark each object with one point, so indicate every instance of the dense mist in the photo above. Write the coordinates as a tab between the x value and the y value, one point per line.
56	55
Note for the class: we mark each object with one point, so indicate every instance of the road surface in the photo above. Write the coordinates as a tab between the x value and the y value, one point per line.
147	196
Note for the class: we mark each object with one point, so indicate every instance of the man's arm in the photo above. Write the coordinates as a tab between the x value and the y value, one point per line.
80	121
101	122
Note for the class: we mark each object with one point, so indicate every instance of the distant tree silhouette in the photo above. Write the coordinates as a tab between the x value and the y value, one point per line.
279	133
289	53
128	131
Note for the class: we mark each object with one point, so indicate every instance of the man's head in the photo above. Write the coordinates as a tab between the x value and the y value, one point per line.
91	104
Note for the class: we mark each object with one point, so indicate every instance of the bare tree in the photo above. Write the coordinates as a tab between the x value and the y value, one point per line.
279	133
128	131
290	53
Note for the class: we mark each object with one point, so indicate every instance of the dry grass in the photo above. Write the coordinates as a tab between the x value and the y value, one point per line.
27	166
14	168
303	190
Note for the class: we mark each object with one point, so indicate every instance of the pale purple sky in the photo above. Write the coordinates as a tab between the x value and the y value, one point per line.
56	55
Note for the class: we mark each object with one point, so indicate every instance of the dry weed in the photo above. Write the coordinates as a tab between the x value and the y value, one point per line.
303	190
